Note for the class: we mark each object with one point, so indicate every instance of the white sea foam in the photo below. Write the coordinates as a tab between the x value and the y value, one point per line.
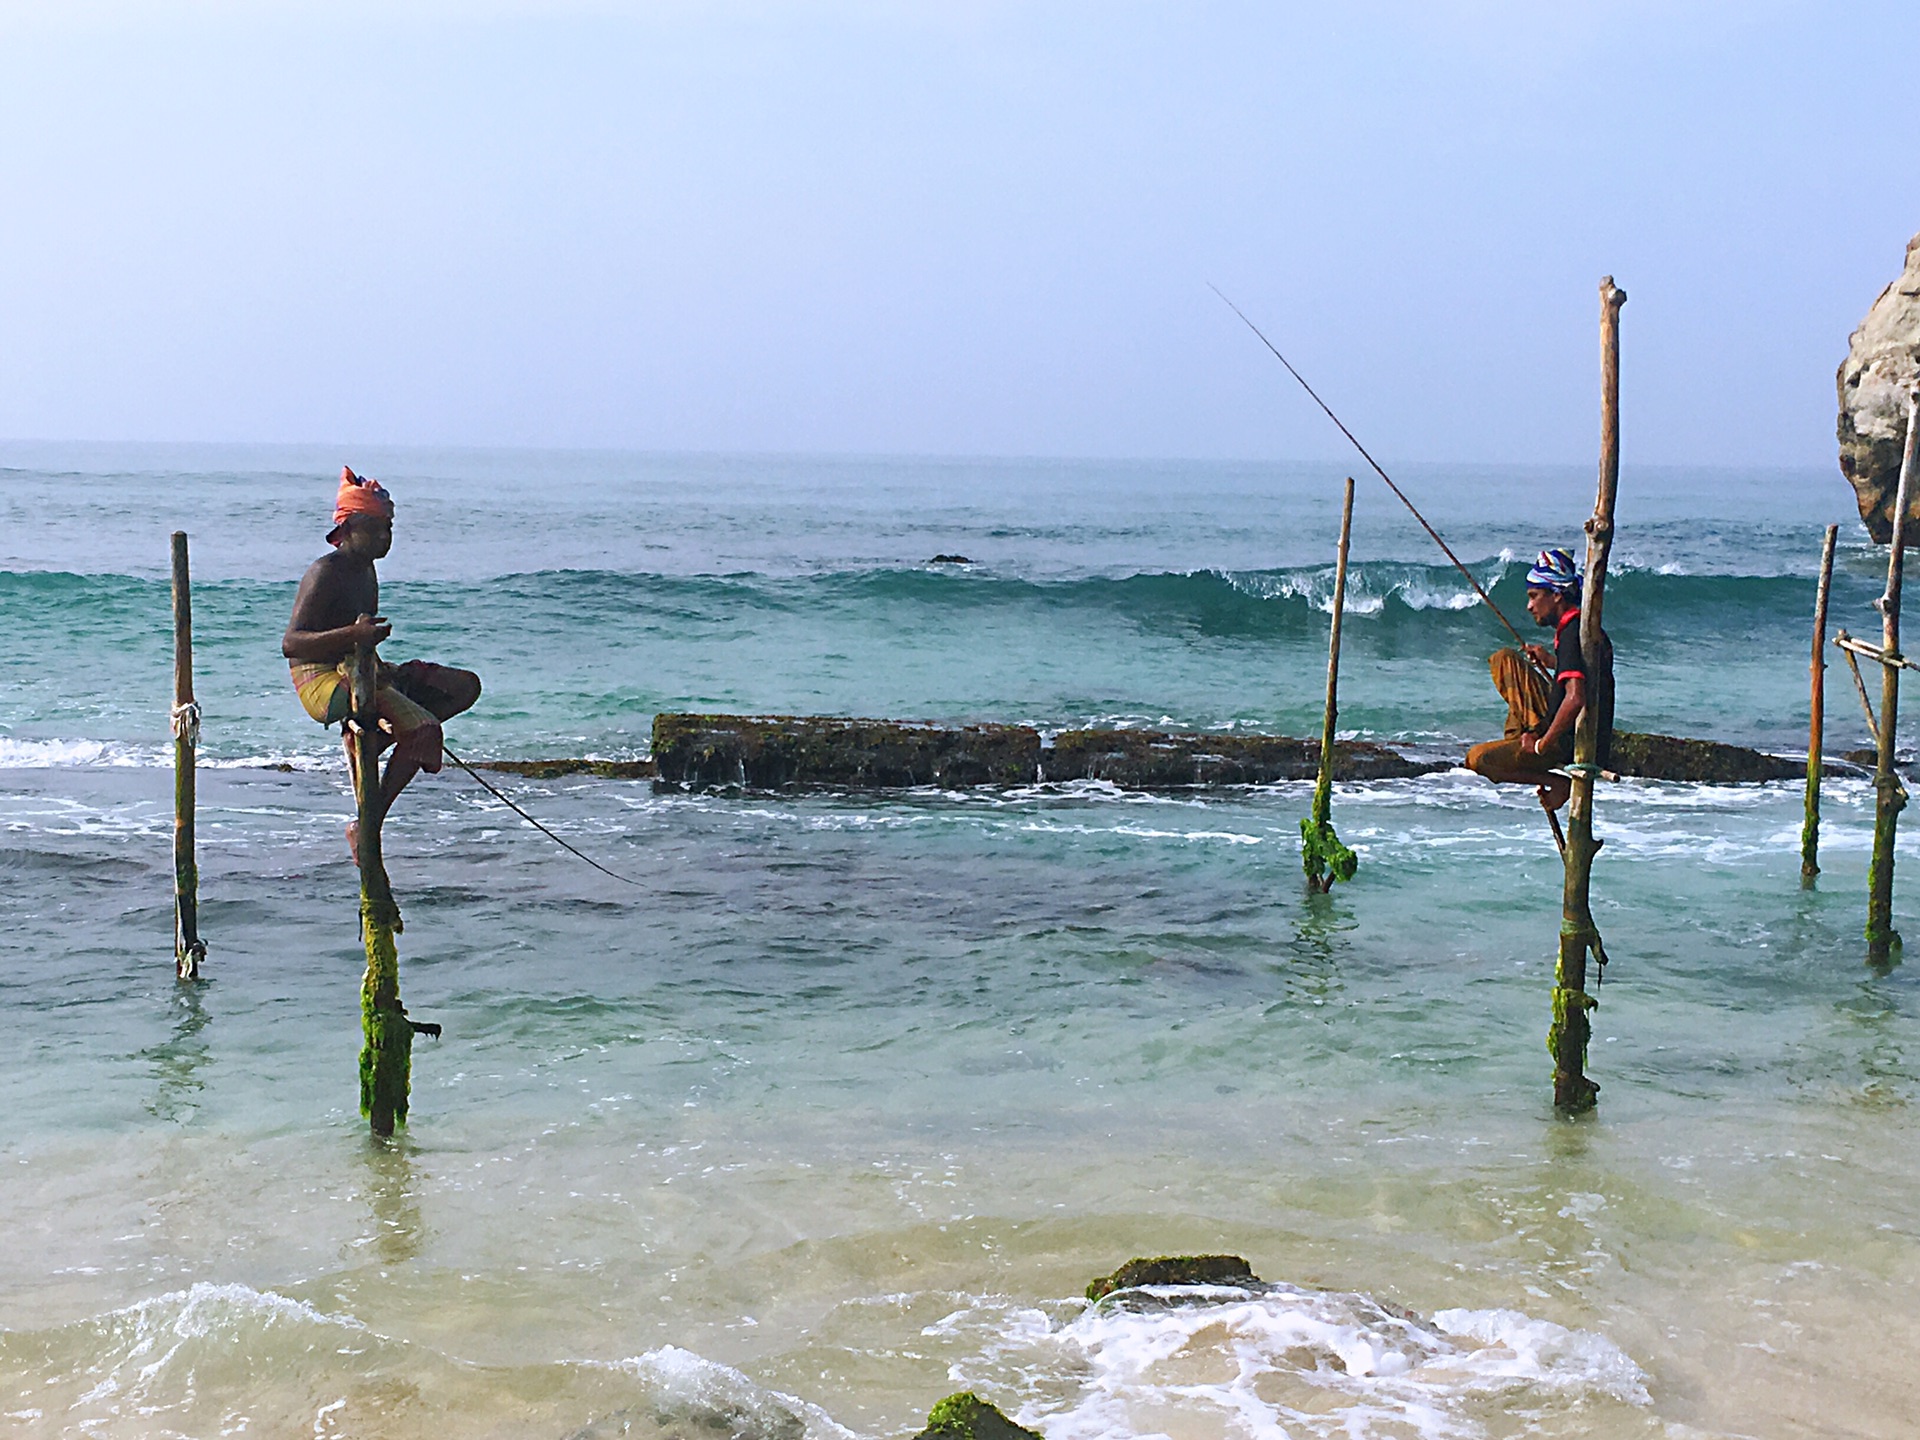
690	1390
143	1341
60	754
117	754
1276	1361
1369	586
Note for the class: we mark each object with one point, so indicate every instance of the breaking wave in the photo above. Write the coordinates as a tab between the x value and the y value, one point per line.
1278	1360
228	1359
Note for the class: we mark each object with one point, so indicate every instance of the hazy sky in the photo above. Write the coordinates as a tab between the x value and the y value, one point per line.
939	227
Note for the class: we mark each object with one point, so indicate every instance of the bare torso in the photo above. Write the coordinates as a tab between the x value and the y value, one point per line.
337	589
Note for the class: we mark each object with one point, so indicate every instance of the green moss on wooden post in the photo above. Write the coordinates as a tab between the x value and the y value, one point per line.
1322	855
386	1052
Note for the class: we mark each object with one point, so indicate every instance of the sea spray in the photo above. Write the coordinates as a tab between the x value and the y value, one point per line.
1227	1361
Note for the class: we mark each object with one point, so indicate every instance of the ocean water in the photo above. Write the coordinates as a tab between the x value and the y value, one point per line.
840	1107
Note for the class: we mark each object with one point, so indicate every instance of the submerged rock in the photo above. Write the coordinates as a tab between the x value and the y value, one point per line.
967	1417
1882	365
1175	1270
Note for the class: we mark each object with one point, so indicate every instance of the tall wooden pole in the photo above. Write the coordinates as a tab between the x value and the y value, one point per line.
1321	853
188	948
1817	706
1890	797
1571	1030
386	1052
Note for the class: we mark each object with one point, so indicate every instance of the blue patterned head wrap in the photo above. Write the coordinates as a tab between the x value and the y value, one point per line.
1554	570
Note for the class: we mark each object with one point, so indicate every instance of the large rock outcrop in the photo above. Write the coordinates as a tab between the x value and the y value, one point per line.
1881	368
775	752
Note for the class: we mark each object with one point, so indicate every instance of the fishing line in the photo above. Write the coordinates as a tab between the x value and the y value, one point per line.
1457	562
484	785
1559	839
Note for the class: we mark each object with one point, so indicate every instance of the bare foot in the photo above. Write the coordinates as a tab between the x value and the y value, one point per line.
353	840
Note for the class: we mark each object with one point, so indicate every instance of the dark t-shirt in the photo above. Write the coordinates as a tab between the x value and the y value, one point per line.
1568	661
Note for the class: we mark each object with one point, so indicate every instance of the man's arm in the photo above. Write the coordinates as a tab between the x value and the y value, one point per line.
1563	719
309	637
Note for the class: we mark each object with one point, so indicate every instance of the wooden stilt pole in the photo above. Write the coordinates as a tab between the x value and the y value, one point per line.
386	1054
1817	708
1890	795
1567	1039
1321	852
188	948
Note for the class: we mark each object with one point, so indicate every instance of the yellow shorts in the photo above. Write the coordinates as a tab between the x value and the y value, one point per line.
326	693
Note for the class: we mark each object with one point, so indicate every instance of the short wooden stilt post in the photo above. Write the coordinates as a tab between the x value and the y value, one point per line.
1567	1038
1323	856
386	1053
1890	796
1845	641
188	948
1817	707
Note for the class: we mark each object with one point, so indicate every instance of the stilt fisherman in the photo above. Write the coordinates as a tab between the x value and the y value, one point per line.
335	611
1541	712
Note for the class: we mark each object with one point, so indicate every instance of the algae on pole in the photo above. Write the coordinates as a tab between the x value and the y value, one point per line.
1322	855
386	1052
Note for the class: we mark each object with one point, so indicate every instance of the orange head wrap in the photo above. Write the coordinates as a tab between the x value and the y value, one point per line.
358	497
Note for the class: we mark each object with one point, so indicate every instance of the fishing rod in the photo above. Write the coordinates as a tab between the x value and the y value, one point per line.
484	785
1458	564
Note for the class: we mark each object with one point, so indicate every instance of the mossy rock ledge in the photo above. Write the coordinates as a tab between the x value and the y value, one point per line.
1175	1270
1702	762
1158	760
555	769
967	1417
773	752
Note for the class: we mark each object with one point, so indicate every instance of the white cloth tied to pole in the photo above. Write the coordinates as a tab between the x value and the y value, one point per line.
186	722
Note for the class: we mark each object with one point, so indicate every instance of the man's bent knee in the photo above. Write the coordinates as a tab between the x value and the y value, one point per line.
466	693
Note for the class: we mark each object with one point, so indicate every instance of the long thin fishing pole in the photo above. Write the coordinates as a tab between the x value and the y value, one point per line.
1458	564
484	785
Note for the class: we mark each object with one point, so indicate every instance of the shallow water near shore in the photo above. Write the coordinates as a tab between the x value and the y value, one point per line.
841	1108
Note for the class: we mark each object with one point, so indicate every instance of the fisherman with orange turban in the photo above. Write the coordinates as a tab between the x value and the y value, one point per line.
336	610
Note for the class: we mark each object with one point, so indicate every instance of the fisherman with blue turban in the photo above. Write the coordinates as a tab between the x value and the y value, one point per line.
1541	712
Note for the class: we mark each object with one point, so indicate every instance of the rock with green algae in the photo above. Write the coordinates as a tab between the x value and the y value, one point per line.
1670	757
1175	1270
555	769
772	752
1157	760
967	1417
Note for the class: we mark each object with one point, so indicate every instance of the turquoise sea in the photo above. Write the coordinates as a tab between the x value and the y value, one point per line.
842	1106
